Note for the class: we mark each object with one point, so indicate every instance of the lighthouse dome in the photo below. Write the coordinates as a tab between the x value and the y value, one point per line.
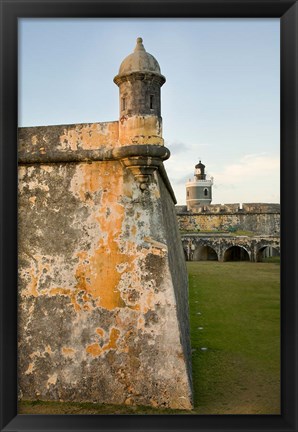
200	165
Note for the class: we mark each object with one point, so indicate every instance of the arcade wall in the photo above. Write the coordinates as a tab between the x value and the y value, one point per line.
255	218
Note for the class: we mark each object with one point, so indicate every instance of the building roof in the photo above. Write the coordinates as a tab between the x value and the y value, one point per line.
200	165
139	61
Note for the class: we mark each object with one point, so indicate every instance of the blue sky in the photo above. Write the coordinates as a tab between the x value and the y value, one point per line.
220	102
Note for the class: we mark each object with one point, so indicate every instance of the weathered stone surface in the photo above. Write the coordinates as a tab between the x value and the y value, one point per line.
196	246
260	219
103	289
179	273
103	304
45	140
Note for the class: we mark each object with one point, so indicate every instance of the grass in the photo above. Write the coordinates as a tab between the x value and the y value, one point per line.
238	303
273	259
234	317
53	407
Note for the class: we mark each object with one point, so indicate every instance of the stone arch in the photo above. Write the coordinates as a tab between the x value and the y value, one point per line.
205	253
236	253
266	251
188	248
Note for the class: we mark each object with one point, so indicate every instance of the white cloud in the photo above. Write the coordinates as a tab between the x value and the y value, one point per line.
249	168
255	178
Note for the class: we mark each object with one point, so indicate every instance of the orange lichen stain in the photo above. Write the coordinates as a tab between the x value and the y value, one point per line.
134	230
97	135
96	273
68	352
35	354
86	297
67	292
32	286
52	379
153	403
85	182
90	136
69	139
141	322
135	307
82	274
34	139
156	193
48	349
95	350
32	200
30	369
150	300
100	331
34	272
140	130
128	189
60	291
46	168
82	255
125	342
103	277
114	336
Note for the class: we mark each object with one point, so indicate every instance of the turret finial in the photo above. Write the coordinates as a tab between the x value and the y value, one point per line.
139	45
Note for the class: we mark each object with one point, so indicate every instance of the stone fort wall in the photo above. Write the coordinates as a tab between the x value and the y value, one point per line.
256	218
103	309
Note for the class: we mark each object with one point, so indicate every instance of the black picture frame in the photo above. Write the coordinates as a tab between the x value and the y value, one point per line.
287	11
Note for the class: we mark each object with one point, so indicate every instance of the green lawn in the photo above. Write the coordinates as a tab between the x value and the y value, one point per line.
239	324
235	324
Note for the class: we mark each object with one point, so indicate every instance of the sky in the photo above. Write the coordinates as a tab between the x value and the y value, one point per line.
220	103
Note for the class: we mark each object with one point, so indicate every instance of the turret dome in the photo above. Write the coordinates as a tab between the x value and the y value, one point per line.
139	61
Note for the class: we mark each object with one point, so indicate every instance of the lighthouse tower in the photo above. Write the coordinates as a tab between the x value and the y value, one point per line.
139	81
198	190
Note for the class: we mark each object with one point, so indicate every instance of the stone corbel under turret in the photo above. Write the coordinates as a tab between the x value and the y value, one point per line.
141	168
142	161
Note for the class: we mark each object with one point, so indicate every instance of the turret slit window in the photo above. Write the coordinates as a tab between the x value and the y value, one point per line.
206	192
123	104
151	101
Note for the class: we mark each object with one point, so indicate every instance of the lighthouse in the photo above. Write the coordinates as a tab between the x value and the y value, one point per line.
199	190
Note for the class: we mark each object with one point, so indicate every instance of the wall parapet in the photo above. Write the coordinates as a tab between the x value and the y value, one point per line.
246	208
265	221
42	145
39	141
